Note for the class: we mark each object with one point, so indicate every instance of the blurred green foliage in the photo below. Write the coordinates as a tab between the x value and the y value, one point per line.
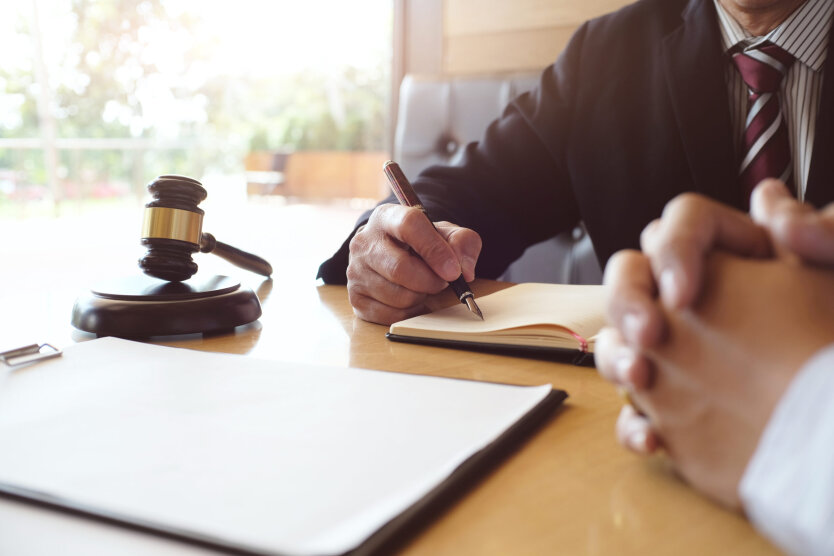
109	86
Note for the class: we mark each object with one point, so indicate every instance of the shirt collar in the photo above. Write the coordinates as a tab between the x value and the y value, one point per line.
804	34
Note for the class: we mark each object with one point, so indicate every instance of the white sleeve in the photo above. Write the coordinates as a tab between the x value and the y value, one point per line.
788	487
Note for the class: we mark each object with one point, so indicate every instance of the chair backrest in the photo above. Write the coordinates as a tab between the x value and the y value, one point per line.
439	116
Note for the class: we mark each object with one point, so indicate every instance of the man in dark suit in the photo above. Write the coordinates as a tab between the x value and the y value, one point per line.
644	104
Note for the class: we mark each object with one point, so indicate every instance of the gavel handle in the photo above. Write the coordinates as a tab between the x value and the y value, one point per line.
248	261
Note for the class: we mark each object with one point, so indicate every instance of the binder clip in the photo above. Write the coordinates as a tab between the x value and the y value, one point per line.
28	354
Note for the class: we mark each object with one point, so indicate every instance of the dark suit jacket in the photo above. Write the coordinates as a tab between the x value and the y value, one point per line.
634	112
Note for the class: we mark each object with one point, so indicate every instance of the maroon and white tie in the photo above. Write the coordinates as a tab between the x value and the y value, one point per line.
767	151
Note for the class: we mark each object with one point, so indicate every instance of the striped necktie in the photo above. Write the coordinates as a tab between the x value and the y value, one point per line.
767	152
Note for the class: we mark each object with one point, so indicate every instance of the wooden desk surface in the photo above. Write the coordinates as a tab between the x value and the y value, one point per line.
570	490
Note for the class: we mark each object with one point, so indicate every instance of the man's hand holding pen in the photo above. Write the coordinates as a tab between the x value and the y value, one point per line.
398	259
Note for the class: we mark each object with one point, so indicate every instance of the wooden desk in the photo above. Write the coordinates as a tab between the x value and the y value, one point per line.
570	490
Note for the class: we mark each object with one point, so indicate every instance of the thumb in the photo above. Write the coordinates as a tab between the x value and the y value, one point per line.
808	234
465	243
797	229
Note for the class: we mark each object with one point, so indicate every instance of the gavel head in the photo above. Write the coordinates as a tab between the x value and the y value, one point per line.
172	227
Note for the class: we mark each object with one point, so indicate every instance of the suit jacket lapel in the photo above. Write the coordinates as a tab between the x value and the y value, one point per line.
819	190
694	64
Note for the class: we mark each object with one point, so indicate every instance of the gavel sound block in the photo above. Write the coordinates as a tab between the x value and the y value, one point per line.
167	300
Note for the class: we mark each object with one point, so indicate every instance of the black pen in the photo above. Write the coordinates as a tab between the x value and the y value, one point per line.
408	197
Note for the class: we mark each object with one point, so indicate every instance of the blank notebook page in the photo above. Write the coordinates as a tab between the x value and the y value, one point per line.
262	455
579	308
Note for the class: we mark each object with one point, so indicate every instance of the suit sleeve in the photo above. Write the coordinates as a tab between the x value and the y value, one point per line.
512	186
788	486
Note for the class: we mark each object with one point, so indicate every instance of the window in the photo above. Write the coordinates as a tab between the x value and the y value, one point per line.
277	103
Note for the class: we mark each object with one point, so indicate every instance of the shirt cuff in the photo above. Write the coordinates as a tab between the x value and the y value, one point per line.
788	487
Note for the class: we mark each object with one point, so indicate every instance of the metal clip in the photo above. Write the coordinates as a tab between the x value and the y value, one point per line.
28	354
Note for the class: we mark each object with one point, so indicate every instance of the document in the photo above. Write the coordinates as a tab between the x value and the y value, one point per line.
247	454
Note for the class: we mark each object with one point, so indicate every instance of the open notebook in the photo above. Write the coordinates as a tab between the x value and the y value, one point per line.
249	455
562	320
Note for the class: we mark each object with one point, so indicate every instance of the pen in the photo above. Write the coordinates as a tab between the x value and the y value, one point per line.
408	197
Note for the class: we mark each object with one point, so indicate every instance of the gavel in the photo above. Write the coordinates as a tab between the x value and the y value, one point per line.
172	231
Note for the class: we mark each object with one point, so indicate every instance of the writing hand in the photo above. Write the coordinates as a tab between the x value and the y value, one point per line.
398	259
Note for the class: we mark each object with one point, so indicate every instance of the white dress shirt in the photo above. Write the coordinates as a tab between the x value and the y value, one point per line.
788	487
805	36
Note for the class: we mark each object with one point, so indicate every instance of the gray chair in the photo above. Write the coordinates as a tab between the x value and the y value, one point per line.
439	116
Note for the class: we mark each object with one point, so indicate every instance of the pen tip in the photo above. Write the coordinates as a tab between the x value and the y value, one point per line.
473	307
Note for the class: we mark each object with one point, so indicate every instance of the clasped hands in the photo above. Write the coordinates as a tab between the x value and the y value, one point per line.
709	324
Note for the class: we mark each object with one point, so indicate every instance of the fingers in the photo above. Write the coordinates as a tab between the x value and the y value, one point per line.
373	249
691	227
465	243
637	323
771	199
398	258
796	227
619	363
411	227
369	309
634	431
376	299
631	306
365	281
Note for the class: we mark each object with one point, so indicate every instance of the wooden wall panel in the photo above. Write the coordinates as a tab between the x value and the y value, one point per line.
335	174
495	36
466	17
424	36
505	52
